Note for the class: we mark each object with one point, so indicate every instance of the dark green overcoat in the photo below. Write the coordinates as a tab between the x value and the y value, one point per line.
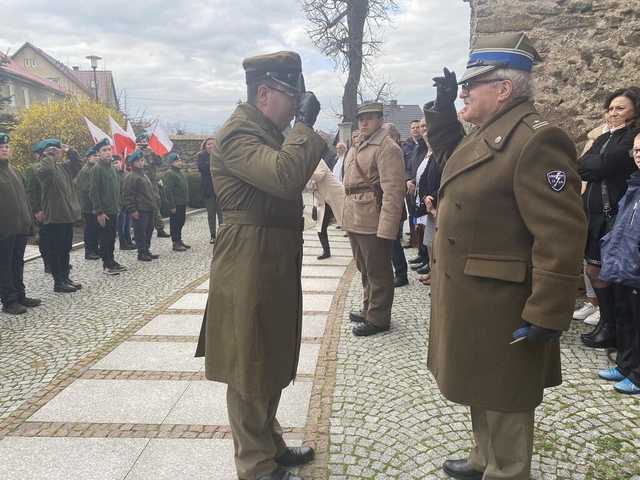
254	312
508	248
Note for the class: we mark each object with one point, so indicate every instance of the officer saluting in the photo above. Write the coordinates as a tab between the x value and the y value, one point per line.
253	321
507	252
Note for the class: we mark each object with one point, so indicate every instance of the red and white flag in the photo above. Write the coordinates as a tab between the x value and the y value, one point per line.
124	141
160	142
97	134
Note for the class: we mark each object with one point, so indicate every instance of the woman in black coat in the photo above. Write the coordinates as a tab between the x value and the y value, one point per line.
208	194
606	167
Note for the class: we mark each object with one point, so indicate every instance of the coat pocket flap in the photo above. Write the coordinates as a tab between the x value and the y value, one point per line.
296	139
508	269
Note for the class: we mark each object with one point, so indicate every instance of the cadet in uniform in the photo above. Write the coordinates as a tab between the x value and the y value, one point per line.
151	164
253	322
375	187
176	190
83	187
16	225
508	247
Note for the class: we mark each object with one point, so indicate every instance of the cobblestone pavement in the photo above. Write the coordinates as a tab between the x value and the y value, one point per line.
388	419
37	346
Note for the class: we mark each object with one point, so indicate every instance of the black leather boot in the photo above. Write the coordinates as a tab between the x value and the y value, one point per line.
461	470
326	250
604	335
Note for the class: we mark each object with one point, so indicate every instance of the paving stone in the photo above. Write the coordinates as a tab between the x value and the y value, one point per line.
191	301
113	401
308	358
68	458
320	284
313	325
173	325
322	271
203	286
331	261
316	302
153	356
335	251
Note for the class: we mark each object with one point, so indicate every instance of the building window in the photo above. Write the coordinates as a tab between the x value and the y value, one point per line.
27	98
12	94
93	84
30	62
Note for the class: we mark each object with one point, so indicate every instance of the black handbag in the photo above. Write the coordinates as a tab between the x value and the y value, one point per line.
609	216
314	209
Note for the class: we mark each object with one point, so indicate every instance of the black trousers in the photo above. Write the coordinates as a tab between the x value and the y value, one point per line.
43	244
628	333
59	239
143	230
90	233
398	259
176	222
107	240
213	211
12	268
322	234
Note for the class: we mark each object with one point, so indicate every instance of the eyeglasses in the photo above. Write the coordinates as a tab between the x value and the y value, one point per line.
295	96
471	84
634	152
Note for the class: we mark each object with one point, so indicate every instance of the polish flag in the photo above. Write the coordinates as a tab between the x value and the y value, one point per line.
97	134
124	140
160	142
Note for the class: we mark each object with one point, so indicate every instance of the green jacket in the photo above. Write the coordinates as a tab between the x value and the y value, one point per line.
59	199
105	189
252	331
138	192
33	188
176	188
15	214
83	187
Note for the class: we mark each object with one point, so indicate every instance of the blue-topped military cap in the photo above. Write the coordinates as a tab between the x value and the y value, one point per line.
4	138
172	157
46	143
102	143
512	51
137	155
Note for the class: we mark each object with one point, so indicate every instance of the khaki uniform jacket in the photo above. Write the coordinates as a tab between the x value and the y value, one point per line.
105	189
59	199
253	321
176	188
508	249
381	161
15	214
83	187
138	192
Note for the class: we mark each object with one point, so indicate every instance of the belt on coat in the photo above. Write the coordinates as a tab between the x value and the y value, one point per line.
352	190
247	217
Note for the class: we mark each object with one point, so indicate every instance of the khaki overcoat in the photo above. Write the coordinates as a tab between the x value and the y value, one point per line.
381	161
253	321
327	189
508	248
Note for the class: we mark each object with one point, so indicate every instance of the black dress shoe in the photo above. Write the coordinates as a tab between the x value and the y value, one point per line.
162	234
423	270
185	245
128	246
76	285
62	287
461	470
279	474
605	338
153	256
91	256
416	266
294	456
14	308
356	317
144	258
31	302
367	329
417	260
323	256
400	282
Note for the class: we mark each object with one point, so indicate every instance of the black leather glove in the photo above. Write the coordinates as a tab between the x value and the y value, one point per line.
535	333
447	91
308	109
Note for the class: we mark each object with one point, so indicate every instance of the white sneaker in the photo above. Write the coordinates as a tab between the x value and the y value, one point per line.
584	311
594	318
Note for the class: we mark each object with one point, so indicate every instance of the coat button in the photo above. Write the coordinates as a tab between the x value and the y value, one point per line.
452	241
498	139
447	275
458	205
436	229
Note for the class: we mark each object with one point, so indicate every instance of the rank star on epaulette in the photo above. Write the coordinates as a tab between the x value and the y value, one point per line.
557	180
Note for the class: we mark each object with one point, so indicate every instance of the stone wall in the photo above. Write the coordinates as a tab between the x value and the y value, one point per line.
589	47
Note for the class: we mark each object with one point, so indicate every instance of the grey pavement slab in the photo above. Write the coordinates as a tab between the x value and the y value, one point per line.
170	459
335	251
203	285
68	458
152	356
191	301
322	271
314	325
204	403
308	358
316	302
310	260
113	401
320	284
173	325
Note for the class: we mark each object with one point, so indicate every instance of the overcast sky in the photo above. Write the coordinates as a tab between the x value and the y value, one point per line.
181	61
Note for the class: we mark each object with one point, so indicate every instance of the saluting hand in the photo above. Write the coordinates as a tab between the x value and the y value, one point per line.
135	215
102	219
447	90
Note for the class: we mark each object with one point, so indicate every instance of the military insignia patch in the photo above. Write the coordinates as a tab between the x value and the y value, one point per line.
557	180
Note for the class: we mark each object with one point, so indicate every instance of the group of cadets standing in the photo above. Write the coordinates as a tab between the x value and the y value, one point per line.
60	188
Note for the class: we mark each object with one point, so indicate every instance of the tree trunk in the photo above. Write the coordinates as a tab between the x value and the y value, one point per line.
356	18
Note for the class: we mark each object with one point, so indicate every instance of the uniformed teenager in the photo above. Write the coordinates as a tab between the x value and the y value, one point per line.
151	164
252	329
105	199
83	187
16	225
374	184
506	255
176	190
34	194
60	207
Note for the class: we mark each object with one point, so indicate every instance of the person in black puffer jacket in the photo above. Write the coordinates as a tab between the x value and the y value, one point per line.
606	167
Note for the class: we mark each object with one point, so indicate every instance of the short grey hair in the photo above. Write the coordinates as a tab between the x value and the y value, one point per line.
521	81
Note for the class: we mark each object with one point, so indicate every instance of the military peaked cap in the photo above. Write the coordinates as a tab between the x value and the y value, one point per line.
142	139
4	138
137	155
371	107
92	151
44	144
102	143
172	157
511	51
283	68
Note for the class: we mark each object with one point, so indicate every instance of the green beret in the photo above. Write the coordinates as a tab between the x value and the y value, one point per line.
371	107
172	157
137	155
102	143
142	139
44	144
283	68
4	138
90	152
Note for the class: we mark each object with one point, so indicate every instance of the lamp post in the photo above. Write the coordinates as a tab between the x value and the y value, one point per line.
94	65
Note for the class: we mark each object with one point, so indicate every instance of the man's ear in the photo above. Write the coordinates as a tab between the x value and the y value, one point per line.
505	90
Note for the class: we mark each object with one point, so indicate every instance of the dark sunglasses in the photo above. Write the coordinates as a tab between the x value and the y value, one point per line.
471	84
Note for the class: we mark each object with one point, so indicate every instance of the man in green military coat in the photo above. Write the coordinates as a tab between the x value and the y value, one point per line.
151	164
254	315
507	251
83	187
16	225
176	190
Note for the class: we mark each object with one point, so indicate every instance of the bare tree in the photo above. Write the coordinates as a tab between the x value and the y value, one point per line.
348	32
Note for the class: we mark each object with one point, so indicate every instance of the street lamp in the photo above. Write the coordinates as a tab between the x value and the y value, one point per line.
94	65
